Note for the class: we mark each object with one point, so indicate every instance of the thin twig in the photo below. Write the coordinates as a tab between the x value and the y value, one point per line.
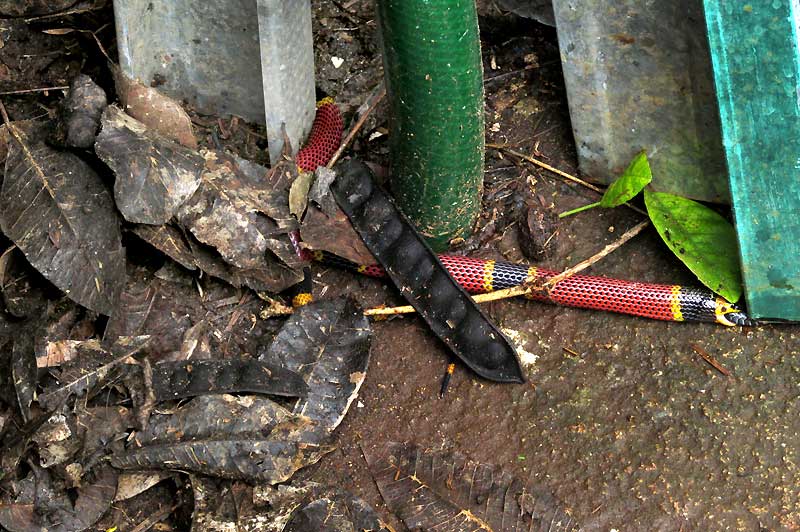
373	101
155	518
509	74
6	119
531	285
479	298
544	165
556	171
708	358
99	45
42	89
630	233
75	11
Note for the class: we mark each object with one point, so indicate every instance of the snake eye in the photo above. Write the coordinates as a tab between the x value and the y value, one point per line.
729	315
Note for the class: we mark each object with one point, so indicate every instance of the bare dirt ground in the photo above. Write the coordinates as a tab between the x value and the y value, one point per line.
636	432
620	418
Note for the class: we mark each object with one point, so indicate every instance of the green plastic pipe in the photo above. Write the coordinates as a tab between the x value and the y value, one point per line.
434	81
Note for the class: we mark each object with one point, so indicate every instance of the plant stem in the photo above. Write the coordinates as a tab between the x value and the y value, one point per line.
579	209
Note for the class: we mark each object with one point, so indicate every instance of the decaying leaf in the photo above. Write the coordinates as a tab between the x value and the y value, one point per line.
327	228
15	441
62	320
100	426
298	194
79	113
272	459
311	506
56	439
184	249
334	234
328	343
154	175
238	211
262	508
176	380
160	309
155	110
40	502
223	505
92	366
23	288
58	353
320	192
7	393
335	511
432	490
132	484
169	240
57	211
170	312
214	416
23	374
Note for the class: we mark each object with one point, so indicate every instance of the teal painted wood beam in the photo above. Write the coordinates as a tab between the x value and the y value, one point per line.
756	58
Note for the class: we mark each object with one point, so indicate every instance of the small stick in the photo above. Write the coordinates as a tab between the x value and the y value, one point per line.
509	74
74	11
42	89
708	358
153	519
570	352
542	164
556	171
514	291
373	101
630	233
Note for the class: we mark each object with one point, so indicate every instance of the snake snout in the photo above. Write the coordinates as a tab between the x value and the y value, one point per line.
741	319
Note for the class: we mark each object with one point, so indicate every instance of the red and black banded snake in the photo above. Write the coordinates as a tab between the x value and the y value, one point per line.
649	300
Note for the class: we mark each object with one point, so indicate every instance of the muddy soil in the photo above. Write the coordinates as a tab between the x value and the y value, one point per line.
636	431
620	418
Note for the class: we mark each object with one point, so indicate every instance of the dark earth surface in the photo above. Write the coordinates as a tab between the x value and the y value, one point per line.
620	418
636	432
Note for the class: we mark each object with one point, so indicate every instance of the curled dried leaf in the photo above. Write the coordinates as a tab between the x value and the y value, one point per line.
154	109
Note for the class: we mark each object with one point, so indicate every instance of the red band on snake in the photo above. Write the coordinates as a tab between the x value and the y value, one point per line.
655	301
324	139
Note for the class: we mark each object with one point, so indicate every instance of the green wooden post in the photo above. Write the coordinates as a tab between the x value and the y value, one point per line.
756	60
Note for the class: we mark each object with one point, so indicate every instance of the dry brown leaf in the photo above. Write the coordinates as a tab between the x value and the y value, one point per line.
59	352
157	111
154	175
58	31
56	209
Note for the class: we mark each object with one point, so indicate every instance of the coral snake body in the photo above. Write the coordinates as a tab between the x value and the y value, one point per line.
655	301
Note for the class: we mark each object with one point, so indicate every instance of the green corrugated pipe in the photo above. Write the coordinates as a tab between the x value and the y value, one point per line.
434	79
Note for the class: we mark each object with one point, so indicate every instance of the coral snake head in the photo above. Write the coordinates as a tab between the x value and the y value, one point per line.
730	315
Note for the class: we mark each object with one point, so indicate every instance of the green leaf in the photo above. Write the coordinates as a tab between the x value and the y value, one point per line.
624	189
701	238
630	183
